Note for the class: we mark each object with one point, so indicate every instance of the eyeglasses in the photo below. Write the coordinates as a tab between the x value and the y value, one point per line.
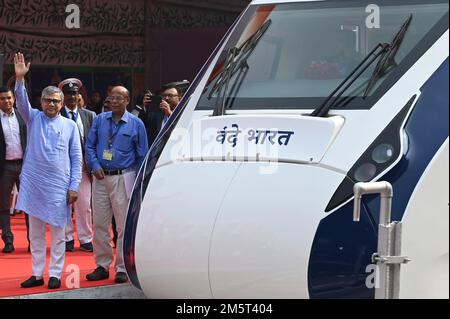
170	96
49	101
116	98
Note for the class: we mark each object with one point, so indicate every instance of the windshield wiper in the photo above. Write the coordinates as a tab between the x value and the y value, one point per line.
323	109
385	64
387	61
236	61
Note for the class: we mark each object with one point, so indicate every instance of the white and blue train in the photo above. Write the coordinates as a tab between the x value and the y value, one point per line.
248	190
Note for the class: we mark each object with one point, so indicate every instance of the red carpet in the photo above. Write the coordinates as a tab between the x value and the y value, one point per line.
16	267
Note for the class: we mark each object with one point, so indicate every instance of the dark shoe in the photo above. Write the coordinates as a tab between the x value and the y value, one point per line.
87	247
99	273
32	282
121	277
9	248
70	245
54	283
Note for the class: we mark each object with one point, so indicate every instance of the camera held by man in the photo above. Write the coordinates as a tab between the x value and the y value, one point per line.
152	102
157	108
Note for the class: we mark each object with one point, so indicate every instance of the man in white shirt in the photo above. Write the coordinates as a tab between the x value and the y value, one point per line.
12	148
82	207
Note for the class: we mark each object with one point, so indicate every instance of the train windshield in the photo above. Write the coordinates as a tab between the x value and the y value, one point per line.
293	55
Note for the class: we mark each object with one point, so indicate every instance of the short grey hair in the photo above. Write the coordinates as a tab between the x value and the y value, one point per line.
49	90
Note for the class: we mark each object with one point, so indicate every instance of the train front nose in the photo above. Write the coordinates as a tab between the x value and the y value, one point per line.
215	225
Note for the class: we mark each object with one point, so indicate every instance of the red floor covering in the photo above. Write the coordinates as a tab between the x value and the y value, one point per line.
16	267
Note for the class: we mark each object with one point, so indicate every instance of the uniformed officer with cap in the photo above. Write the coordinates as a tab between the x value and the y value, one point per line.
82	207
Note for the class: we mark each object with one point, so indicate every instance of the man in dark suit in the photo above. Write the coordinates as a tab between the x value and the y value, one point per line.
13	139
155	116
152	118
82	207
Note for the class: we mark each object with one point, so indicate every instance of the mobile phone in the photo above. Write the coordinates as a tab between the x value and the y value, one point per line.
155	101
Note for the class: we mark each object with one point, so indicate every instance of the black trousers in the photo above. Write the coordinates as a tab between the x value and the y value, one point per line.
8	178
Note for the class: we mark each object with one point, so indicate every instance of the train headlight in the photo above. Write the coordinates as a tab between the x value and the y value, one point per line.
378	158
383	153
365	172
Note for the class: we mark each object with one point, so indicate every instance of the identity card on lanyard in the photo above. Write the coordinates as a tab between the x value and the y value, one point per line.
108	154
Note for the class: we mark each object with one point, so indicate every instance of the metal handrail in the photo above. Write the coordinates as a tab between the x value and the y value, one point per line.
388	258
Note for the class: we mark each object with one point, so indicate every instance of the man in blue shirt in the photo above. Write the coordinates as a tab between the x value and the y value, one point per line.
115	149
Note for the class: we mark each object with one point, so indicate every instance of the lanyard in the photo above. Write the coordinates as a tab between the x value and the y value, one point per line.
110	133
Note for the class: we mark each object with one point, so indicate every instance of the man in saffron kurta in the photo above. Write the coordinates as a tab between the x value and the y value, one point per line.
50	177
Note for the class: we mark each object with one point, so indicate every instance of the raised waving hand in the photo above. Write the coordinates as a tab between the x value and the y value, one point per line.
20	67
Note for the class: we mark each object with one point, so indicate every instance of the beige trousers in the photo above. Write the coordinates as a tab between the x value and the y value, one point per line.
109	198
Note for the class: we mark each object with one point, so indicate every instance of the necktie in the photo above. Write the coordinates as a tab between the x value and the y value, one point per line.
72	115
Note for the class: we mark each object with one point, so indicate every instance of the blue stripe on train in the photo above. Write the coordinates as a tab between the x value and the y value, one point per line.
427	130
342	249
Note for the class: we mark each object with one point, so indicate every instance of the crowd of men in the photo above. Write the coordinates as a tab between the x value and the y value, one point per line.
68	161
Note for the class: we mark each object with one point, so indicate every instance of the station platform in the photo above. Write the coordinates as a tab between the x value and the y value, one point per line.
16	267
